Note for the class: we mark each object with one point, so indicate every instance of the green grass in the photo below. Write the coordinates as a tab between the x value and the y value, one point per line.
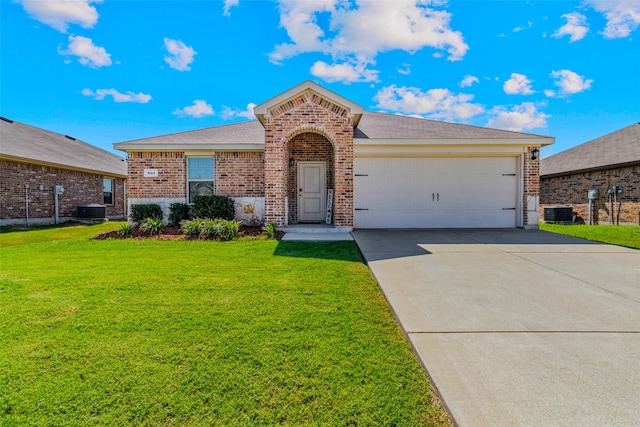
622	235
247	332
20	235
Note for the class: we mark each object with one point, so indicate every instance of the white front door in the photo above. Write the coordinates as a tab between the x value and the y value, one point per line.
311	191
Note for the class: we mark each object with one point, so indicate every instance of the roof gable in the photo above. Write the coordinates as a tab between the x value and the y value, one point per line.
29	144
329	100
616	149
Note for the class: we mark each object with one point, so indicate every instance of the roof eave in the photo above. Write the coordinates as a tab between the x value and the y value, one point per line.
591	169
529	142
127	146
18	159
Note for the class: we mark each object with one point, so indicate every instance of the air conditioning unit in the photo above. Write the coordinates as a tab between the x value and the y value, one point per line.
558	214
92	211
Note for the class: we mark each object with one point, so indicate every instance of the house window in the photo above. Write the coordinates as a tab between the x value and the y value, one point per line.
107	191
200	176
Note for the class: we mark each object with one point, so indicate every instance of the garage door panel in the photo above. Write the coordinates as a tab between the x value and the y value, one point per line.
435	192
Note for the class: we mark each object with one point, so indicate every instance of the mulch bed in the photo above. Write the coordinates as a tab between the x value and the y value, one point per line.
174	233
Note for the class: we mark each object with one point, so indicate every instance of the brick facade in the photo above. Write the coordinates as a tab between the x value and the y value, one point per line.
530	186
239	174
79	188
171	179
306	114
572	190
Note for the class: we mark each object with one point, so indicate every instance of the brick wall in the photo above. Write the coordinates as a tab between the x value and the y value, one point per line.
305	114
171	179
531	185
239	174
572	190
79	188
307	147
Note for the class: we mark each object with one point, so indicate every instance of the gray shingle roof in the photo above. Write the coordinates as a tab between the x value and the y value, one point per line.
616	149
250	132
392	126
372	126
30	144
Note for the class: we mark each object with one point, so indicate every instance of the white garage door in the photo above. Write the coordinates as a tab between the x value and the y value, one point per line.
435	192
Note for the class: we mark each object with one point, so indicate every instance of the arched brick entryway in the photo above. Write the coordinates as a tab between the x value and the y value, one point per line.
308	126
307	146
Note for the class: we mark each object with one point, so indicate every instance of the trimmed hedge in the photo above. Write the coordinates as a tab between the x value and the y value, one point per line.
141	212
213	207
178	212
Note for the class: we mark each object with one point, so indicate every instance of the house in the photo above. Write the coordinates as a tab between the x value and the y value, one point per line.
313	156
34	162
609	164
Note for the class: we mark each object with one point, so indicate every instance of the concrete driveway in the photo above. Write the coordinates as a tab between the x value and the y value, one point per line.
517	327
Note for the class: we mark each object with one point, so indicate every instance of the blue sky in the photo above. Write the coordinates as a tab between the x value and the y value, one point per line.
113	70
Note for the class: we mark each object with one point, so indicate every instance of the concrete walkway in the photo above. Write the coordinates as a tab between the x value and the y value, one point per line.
517	327
316	233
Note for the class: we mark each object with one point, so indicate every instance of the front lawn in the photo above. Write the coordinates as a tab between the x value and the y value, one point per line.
622	235
247	332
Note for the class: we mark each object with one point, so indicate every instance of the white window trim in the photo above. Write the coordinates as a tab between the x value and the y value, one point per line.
113	191
187	181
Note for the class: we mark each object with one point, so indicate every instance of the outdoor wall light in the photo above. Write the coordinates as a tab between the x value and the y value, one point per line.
291	161
535	153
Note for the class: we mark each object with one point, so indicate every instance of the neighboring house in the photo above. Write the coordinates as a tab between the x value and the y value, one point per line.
384	170
600	164
33	161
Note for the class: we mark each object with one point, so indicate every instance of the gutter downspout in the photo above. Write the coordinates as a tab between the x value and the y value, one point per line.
26	201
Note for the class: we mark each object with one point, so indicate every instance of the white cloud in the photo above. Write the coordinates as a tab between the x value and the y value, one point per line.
522	117
345	72
180	55
406	70
468	80
518	84
231	113
434	103
228	4
59	14
576	27
549	93
365	28
570	82
518	29
100	94
199	109
88	54
623	16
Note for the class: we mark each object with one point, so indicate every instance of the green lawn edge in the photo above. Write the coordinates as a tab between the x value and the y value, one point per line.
621	235
247	332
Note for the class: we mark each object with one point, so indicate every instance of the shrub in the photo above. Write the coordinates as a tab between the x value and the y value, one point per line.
141	212
211	228
152	226
229	229
213	207
178	212
125	230
270	230
192	227
203	227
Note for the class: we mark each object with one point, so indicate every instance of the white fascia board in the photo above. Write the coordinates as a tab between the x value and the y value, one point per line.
189	147
440	150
